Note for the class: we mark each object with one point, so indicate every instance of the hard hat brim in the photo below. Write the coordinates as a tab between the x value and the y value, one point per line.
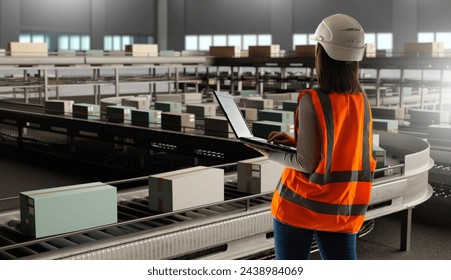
341	53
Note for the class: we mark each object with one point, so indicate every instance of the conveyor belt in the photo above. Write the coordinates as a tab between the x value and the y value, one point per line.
218	226
134	217
239	227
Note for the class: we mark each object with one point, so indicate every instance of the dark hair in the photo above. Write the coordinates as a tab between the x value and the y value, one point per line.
334	75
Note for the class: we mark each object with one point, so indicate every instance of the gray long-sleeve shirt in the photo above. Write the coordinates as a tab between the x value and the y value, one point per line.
308	152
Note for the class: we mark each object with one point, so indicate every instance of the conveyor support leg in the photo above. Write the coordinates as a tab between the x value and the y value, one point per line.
406	229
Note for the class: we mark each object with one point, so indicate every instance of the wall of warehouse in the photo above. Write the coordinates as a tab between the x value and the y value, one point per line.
169	21
94	17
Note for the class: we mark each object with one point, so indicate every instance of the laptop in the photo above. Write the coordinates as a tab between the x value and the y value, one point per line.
239	125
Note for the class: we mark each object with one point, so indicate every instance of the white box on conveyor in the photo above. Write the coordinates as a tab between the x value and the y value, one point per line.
139	102
258	175
185	188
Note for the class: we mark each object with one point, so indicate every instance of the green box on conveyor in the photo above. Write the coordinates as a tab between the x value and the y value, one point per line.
65	209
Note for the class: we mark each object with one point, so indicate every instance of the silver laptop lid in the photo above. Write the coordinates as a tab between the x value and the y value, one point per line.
233	114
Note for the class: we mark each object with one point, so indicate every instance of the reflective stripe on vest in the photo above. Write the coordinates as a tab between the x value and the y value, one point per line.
321	207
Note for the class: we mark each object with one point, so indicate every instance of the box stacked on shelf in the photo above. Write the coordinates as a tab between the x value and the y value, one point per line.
118	113
250	114
276	116
264	51
225	51
279	98
263	128
370	50
182	122
388	113
58	107
434	49
138	102
86	111
172	97
142	49
290	105
385	125
304	51
27	49
248	93
258	175
168	106
219	127
191	98
256	103
423	117
202	110
146	118
185	188
65	209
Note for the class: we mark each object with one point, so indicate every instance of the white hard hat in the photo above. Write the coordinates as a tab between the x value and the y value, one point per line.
342	37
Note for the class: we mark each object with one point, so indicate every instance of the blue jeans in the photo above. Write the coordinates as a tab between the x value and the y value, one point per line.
292	243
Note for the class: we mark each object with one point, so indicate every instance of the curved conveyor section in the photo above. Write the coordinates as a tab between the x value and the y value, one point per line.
240	226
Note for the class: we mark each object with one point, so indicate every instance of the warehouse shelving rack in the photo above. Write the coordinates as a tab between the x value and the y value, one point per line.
41	76
441	100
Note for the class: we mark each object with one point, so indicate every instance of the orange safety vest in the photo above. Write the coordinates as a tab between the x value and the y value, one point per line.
336	195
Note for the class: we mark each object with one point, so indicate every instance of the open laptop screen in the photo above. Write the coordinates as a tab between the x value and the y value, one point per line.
233	114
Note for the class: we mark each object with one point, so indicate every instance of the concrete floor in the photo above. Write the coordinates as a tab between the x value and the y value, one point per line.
431	228
430	235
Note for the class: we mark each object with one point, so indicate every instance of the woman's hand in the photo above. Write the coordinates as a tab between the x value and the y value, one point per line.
281	138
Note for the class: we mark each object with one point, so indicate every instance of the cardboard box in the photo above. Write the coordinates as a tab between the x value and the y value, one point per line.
65	209
191	98
263	128
142	49
118	114
258	175
137	102
256	103
94	53
304	51
370	50
183	122
264	51
388	113
202	110
225	51
168	106
385	125
434	49
276	116
146	118
279	98
109	101
27	49
58	107
248	93
219	127
427	117
250	114
86	111
186	188
290	105
173	97
169	53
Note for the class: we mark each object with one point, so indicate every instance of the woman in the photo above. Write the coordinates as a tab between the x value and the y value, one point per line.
325	188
